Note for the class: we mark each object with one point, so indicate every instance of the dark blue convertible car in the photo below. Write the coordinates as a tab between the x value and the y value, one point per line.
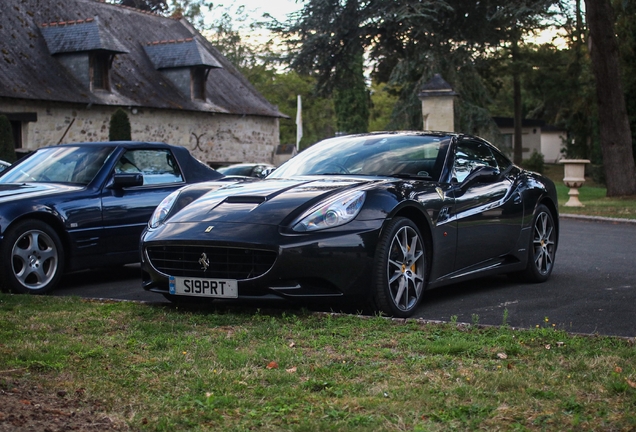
78	206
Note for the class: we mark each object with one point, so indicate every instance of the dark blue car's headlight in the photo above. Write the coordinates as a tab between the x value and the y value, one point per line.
332	212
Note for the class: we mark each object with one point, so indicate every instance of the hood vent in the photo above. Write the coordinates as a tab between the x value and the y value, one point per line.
245	199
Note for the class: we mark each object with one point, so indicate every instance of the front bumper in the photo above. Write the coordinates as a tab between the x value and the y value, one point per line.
329	263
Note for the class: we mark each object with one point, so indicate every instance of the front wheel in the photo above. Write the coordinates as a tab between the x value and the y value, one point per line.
32	258
542	248
400	269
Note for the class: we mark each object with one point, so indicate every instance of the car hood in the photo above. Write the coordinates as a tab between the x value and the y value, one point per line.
13	191
269	202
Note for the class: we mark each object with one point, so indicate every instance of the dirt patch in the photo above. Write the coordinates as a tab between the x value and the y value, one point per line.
27	407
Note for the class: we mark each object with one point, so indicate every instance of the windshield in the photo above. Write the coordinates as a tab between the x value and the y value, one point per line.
401	155
77	165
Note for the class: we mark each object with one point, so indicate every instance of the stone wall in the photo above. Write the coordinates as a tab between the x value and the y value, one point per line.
212	138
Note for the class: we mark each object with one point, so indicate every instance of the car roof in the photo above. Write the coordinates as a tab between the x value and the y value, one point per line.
127	144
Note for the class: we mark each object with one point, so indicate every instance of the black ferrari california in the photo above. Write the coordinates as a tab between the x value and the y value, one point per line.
78	206
374	218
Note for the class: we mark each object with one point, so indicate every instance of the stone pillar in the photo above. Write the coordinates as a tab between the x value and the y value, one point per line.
437	98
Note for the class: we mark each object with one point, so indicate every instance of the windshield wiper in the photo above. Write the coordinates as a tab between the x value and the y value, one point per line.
411	176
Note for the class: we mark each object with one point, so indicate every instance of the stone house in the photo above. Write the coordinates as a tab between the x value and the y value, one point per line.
536	135
67	65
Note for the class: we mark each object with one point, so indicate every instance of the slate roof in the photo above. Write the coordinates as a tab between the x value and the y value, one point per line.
29	69
180	53
78	36
436	86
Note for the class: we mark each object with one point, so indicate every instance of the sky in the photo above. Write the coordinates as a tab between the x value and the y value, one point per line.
256	8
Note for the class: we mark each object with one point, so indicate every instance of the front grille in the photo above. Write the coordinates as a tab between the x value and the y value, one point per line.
224	262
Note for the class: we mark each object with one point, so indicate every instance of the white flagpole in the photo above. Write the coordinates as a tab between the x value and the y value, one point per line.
299	123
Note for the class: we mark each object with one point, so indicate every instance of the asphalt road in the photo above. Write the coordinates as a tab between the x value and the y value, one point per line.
592	288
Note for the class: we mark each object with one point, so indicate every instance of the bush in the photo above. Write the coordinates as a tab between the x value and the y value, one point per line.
534	163
597	172
7	147
119	129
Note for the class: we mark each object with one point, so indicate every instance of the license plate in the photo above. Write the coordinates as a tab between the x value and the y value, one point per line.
200	287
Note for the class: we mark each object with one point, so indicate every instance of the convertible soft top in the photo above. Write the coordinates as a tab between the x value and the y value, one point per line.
194	170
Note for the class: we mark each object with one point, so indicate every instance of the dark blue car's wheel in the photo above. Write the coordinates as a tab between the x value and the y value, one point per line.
400	271
32	258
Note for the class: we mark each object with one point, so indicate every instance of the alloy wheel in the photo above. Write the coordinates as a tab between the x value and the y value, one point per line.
34	259
405	268
544	243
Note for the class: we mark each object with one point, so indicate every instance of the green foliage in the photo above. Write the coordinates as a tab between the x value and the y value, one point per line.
383	100
7	147
535	162
281	89
119	129
351	98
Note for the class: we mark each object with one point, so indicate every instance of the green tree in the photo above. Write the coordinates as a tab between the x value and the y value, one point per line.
328	42
281	89
351	97
383	100
7	147
119	128
557	85
408	42
263	67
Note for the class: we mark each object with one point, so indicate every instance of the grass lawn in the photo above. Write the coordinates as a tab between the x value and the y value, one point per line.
128	366
593	196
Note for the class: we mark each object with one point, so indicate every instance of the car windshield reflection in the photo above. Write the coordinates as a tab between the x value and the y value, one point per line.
76	165
418	157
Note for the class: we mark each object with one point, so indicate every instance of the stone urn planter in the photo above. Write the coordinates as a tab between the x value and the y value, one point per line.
574	177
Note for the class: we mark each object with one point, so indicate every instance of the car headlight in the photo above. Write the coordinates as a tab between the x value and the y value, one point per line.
331	213
163	210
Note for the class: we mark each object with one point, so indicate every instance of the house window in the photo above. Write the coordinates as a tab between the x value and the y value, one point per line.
99	66
199	76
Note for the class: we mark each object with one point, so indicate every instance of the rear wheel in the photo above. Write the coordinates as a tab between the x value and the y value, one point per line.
542	248
400	269
32	258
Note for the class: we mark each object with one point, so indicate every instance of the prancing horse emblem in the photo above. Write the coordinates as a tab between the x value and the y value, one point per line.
204	261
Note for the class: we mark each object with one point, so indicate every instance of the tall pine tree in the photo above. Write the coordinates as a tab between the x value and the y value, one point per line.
119	129
7	147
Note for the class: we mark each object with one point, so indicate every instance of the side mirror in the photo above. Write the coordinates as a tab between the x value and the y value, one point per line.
123	180
483	174
266	172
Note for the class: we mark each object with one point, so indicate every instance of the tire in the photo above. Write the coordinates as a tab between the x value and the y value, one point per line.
542	248
32	258
400	269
